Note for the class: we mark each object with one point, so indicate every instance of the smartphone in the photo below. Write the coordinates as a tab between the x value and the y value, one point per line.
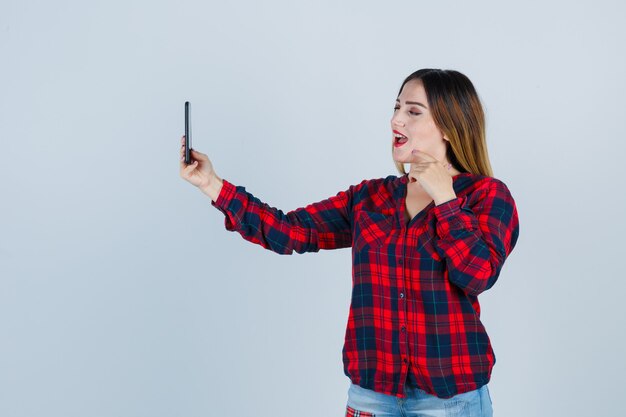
187	133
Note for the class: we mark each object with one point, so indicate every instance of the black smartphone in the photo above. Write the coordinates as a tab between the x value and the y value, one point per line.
187	133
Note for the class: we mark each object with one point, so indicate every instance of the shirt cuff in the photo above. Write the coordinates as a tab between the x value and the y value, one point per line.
225	196
449	208
224	203
454	215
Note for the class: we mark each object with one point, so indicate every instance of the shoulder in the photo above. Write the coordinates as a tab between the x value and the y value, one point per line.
491	196
373	184
499	190
485	195
376	193
483	184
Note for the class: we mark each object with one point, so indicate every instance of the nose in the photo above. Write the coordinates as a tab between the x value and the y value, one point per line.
396	120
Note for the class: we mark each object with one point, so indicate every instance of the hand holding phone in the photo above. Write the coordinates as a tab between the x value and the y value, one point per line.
199	172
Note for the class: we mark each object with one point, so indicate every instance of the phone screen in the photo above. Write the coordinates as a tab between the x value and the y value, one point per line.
187	132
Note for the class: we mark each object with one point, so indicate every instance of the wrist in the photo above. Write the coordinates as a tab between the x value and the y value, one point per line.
213	188
445	198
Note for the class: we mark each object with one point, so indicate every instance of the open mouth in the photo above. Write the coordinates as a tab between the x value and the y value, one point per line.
399	139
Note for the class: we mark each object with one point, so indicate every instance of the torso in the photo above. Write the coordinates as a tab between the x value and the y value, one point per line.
416	200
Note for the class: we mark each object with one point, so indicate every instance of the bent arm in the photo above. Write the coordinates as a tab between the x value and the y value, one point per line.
322	225
476	240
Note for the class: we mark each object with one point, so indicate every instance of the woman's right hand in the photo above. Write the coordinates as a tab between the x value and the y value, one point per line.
200	172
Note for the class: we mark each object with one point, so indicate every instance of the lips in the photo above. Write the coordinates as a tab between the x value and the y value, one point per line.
400	138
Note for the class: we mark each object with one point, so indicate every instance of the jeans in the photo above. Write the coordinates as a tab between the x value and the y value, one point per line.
363	402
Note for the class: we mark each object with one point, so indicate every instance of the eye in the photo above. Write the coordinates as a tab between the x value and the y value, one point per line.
411	112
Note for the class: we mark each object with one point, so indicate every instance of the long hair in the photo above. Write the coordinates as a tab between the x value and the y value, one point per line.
458	113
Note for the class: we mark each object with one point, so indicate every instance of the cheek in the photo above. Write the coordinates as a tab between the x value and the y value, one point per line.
424	135
426	140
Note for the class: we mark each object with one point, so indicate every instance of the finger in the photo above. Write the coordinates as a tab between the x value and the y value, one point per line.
422	156
199	155
182	158
190	168
418	166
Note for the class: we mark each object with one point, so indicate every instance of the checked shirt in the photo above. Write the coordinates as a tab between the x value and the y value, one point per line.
414	304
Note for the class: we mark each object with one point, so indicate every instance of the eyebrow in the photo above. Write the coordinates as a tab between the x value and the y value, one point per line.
413	102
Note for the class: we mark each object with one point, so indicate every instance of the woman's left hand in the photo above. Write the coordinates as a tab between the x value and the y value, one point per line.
432	175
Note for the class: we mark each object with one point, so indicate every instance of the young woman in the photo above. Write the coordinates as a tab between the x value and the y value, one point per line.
424	246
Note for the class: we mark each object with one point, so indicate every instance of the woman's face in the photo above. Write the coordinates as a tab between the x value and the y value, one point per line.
412	118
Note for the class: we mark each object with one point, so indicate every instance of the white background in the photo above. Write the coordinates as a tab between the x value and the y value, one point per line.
121	293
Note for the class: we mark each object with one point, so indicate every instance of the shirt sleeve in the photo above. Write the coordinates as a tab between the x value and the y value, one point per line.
476	235
322	225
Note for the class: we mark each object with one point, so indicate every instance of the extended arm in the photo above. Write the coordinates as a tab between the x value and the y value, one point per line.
322	225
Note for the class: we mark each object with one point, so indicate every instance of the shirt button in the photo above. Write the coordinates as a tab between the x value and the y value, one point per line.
403	329
405	360
401	295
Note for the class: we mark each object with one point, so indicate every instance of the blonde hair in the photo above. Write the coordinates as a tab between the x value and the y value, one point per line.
458	113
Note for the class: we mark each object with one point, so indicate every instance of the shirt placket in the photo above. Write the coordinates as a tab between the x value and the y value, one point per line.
402	308
402	287
411	240
408	229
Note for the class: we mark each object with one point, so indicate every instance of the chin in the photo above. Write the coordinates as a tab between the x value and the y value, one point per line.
402	157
